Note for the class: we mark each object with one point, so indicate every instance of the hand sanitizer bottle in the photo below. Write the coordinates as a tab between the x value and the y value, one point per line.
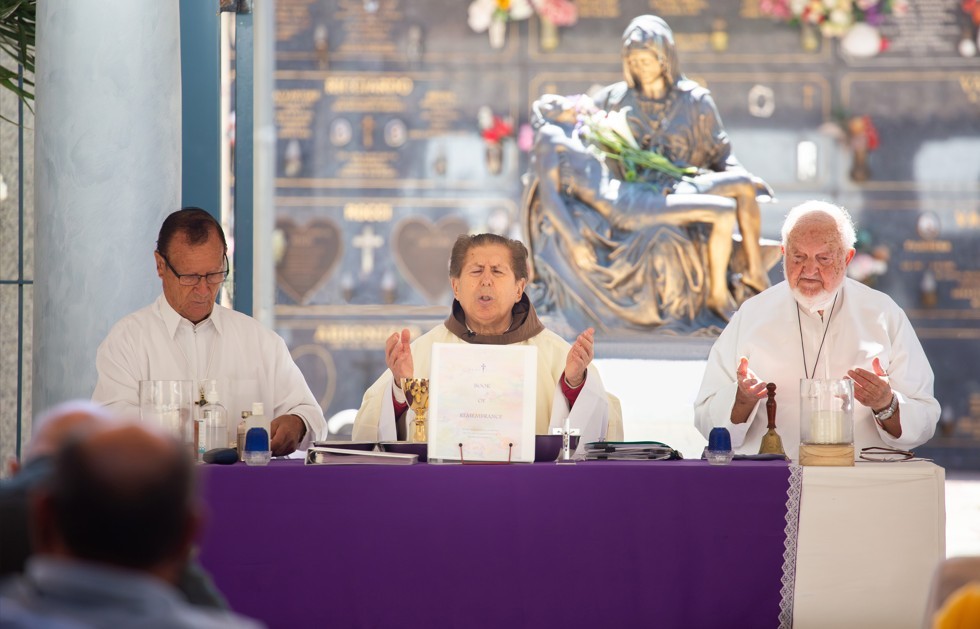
215	421
257	450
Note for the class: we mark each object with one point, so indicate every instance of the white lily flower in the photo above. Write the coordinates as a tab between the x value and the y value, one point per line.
481	14
520	9
616	122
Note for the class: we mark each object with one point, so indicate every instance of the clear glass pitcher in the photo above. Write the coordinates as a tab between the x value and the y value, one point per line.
826	412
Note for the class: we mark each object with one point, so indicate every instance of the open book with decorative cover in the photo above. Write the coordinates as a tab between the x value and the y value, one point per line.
630	451
339	456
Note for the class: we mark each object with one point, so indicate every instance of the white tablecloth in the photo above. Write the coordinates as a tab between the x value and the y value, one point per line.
870	538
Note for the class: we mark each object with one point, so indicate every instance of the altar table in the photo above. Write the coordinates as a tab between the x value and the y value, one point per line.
597	544
870	539
666	544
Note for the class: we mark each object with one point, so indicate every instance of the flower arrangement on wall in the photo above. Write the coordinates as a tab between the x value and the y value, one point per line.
492	16
970	36
854	22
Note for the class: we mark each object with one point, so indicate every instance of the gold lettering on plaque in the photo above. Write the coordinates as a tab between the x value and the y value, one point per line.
969	219
927	246
664	8
368	85
294	112
693	42
373	165
368	212
359	335
597	8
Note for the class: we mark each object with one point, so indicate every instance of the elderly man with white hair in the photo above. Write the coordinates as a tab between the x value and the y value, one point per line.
818	324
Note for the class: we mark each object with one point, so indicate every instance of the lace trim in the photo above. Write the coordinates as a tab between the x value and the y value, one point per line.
793	495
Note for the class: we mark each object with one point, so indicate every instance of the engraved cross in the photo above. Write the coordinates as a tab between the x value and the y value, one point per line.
367	242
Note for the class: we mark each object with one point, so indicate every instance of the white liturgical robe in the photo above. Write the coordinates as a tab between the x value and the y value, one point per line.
250	363
592	412
866	324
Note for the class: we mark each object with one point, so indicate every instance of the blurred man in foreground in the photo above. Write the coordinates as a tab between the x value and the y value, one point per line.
50	431
113	527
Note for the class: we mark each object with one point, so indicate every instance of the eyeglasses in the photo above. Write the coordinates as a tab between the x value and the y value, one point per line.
882	454
193	279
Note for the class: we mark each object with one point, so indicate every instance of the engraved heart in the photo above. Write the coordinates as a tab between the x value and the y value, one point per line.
309	257
422	250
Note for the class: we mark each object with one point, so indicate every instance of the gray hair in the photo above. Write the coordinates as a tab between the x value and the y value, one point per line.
840	216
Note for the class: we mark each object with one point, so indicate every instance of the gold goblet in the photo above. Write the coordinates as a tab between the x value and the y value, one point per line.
417	392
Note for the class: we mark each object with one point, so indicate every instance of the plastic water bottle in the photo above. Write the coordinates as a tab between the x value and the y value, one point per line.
215	418
257	451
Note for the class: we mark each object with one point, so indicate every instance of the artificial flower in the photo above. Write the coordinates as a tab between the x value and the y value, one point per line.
558	12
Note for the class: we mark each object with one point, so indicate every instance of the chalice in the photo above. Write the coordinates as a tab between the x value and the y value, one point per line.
417	392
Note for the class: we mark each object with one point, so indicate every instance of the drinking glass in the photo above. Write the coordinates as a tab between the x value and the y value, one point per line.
168	404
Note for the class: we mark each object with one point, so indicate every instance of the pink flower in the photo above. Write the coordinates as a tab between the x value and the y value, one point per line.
776	8
558	12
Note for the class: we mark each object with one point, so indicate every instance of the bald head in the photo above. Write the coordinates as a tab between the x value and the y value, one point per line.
57	425
811	214
122	495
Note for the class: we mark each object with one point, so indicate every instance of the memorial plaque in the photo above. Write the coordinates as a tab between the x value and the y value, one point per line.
928	126
375	250
392	130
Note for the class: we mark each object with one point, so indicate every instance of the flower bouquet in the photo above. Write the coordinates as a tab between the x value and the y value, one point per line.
855	22
492	16
610	135
553	14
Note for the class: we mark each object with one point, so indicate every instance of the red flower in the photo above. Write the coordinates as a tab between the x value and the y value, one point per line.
871	134
972	9
498	131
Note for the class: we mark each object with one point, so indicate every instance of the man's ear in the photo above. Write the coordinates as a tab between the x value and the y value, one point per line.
850	256
161	265
521	285
454	282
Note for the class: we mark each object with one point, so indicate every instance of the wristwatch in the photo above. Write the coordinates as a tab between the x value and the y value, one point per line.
886	412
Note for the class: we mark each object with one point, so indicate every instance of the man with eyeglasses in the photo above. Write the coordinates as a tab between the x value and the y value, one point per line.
185	335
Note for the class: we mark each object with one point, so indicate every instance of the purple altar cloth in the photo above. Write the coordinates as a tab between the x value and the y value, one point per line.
597	544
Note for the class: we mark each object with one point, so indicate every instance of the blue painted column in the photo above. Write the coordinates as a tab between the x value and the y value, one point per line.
201	103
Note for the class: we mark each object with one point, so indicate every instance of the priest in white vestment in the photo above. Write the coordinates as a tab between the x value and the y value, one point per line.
488	274
818	324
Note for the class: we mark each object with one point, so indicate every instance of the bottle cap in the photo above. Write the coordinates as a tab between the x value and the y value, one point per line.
257	408
719	440
212	395
256	440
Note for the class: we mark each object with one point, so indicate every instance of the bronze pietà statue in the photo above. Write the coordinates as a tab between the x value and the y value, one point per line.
623	246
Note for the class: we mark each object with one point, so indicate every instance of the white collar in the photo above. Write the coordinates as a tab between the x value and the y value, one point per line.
173	320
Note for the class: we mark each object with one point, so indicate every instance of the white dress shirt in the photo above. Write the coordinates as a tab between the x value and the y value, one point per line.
249	362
